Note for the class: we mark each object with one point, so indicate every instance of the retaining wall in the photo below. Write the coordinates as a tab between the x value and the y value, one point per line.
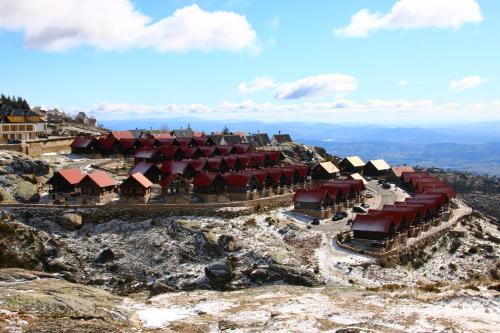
35	148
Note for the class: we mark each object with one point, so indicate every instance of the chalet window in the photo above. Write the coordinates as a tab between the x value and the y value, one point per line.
14	128
5	128
22	127
29	127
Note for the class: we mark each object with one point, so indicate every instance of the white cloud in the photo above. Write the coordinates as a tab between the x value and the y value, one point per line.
258	84
317	86
381	112
412	14
58	25
403	83
467	82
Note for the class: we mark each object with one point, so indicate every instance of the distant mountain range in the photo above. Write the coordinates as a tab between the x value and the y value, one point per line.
474	147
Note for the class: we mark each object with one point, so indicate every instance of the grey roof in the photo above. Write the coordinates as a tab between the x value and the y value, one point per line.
231	139
183	133
264	138
216	138
282	138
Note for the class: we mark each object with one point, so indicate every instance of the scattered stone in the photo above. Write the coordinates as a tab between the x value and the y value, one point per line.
106	255
71	221
219	272
26	192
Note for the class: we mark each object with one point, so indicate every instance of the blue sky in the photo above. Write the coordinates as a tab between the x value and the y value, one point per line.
422	62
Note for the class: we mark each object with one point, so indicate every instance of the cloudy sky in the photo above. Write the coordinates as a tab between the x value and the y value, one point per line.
396	62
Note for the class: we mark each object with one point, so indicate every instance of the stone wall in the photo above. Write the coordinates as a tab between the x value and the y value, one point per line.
35	148
12	147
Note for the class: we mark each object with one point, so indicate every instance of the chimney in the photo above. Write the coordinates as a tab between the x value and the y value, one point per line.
279	132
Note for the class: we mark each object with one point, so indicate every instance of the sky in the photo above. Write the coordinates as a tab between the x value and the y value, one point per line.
386	62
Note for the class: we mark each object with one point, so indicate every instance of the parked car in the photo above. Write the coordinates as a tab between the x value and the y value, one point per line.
386	186
365	205
14	142
369	195
359	209
381	181
337	217
315	222
344	214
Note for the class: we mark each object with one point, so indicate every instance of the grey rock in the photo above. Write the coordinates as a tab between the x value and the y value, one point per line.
106	255
26	192
6	196
219	272
71	221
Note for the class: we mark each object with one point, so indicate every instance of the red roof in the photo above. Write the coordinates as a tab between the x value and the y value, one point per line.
275	174
432	204
261	175
239	179
127	143
106	143
147	142
119	135
167	181
170	151
242	148
303	170
199	164
215	163
201	141
101	179
245	160
417	179
185	141
420	207
174	167
447	190
143	181
410	213
141	167
273	155
397	216
344	188
312	196
226	149
372	223
258	158
429	183
407	175
167	141
82	141
231	160
72	176
189	152
357	184
208	151
205	178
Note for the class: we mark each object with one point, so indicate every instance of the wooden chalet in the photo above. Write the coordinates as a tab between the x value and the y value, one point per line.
312	202
352	164
173	152
395	173
97	188
242	185
182	168
243	148
210	151
85	145
357	176
227	149
149	170
148	155
217	164
136	189
279	139
199	165
192	152
324	171
175	189
373	227
63	185
210	187
204	141
376	168
233	163
274	157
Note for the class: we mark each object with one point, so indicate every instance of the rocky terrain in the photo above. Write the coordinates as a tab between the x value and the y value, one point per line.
21	177
481	192
75	270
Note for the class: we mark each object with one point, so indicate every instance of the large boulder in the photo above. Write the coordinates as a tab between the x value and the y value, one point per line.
6	196
18	163
71	221
26	192
219	273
